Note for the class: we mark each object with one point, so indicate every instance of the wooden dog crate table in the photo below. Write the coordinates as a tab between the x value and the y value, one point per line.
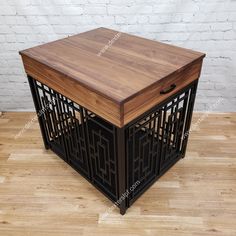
115	107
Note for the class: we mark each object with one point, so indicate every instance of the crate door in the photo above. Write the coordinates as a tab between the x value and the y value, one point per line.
174	130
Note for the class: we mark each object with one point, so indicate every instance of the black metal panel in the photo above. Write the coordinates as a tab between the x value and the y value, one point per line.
156	140
172	128
79	137
112	158
102	153
143	149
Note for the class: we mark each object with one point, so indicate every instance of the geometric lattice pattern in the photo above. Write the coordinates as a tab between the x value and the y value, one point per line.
143	149
102	139
82	139
172	129
153	142
156	141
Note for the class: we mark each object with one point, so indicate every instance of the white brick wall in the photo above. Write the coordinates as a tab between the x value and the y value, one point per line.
208	26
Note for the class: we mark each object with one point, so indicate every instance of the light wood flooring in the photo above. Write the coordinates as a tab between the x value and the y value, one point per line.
42	195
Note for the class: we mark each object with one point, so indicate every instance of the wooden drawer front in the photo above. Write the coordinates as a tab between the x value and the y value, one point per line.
153	96
67	86
120	113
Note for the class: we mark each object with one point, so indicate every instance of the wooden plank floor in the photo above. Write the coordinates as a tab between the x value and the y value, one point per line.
42	195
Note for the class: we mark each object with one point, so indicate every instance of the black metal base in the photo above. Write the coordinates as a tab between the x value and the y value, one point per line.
121	162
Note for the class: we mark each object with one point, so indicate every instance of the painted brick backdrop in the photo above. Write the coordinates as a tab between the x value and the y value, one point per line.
208	26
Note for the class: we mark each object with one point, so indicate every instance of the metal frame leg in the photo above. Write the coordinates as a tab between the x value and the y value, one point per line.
121	158
38	108
189	118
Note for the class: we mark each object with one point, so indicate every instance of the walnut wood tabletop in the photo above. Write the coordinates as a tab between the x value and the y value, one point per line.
118	83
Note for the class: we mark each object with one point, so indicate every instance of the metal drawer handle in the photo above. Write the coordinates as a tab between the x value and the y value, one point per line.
168	90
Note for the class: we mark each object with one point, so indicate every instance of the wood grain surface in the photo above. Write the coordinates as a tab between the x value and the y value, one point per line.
40	195
130	67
